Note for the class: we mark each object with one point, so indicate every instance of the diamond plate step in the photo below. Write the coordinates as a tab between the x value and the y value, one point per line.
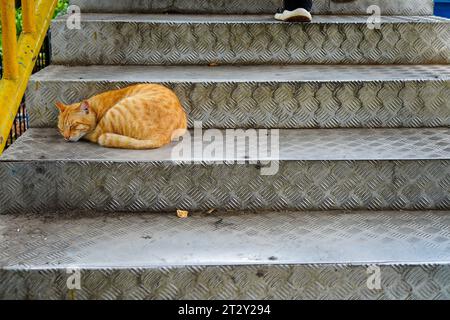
270	255
152	39
304	96
388	7
377	169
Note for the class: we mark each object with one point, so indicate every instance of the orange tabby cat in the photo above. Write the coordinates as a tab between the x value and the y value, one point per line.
145	116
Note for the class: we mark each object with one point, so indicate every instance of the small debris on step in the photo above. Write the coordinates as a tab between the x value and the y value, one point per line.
182	214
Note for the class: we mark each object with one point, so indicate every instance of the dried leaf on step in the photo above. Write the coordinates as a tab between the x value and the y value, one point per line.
182	214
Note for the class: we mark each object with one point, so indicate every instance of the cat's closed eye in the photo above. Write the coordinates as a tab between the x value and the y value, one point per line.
79	127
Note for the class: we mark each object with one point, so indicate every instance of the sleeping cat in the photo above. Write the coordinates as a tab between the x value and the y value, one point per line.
145	116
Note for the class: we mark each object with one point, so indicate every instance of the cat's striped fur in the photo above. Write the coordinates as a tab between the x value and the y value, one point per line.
144	116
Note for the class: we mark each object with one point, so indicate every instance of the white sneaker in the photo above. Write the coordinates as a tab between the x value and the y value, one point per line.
297	15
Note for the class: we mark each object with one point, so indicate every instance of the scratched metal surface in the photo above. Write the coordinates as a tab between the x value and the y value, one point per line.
294	145
152	39
269	255
303	96
388	7
377	169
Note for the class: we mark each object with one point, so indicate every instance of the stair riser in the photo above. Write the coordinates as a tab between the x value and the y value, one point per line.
235	282
190	42
388	7
373	104
155	186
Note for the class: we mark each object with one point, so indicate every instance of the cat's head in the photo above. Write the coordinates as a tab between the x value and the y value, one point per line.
75	120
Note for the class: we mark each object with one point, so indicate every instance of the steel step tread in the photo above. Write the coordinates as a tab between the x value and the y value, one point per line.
226	255
225	238
324	169
406	7
243	73
300	96
294	145
243	19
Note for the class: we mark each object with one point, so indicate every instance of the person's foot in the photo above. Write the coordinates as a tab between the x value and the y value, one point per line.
291	14
297	15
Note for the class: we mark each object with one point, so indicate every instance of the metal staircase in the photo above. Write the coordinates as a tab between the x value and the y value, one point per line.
362	190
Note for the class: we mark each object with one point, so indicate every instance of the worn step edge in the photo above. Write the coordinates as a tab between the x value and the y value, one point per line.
388	7
143	39
396	169
303	96
162	257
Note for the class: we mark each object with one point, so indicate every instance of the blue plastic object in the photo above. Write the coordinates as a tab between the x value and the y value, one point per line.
442	8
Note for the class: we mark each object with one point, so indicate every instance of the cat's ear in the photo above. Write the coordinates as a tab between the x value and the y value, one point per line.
61	106
84	107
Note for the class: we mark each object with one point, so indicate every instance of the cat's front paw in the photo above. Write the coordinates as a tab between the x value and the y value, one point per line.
103	140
